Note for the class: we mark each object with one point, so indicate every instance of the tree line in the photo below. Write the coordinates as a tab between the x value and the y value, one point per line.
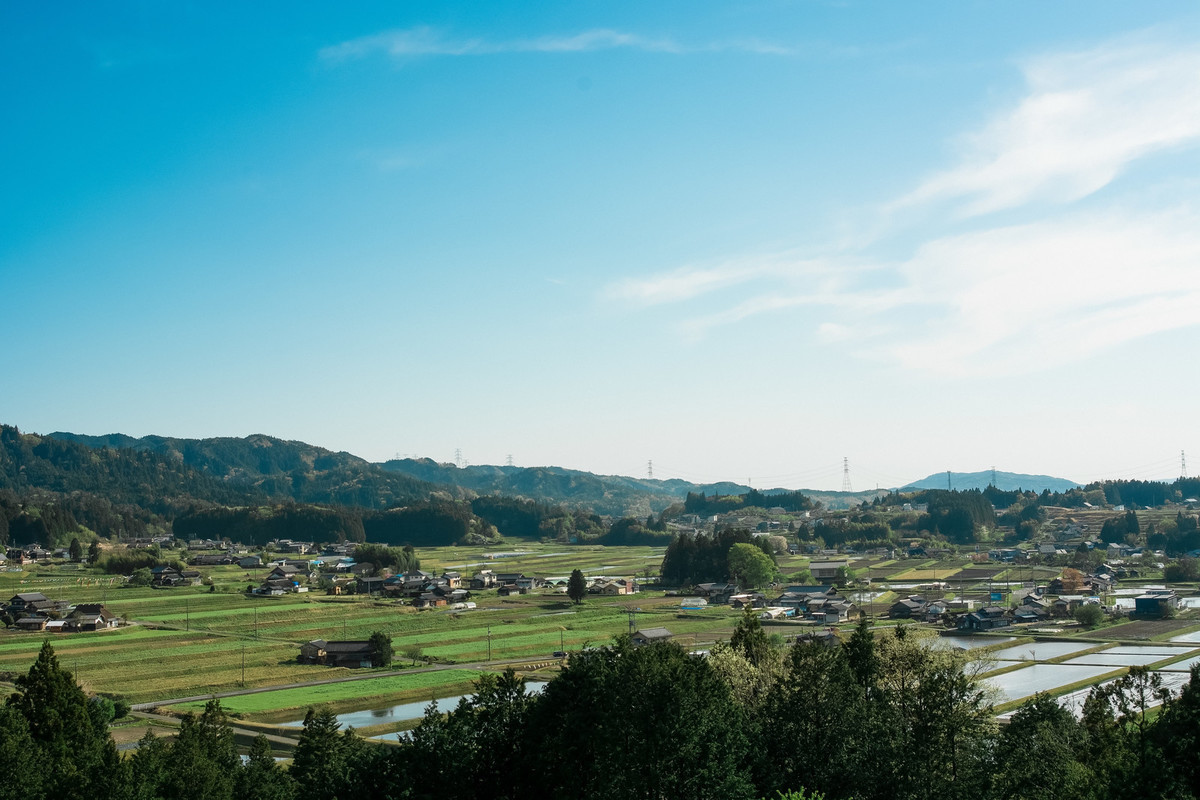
692	559
716	503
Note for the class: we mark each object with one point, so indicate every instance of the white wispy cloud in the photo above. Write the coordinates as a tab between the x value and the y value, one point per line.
1085	118
426	41
1011	298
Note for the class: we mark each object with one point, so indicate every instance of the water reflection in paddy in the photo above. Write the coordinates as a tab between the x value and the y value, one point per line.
402	712
971	642
1073	701
1040	651
1028	681
1129	656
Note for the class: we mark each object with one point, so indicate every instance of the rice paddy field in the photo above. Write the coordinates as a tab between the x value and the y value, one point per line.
192	641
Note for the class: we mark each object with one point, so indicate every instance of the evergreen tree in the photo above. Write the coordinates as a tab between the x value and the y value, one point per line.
1037	754
1177	734
860	653
262	778
749	639
577	587
20	773
146	770
75	754
648	722
320	765
203	762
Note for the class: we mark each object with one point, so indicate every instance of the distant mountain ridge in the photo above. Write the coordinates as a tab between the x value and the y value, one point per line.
270	467
615	495
1005	481
275	468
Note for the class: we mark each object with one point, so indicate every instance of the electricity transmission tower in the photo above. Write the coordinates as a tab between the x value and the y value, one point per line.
1182	464
846	487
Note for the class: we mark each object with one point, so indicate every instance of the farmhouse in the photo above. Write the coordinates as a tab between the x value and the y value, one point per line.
1157	603
825	570
717	593
985	619
650	636
91	617
911	607
484	579
27	601
336	654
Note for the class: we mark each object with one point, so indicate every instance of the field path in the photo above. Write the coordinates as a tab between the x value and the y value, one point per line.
243	735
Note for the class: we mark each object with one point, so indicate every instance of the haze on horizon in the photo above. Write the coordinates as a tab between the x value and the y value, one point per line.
742	241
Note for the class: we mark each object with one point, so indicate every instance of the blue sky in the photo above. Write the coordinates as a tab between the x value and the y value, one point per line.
742	241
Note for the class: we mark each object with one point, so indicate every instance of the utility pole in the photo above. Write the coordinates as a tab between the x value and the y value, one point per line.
187	615
243	664
489	642
949	484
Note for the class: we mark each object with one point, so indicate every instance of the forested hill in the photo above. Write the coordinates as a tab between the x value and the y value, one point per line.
1004	481
32	463
604	494
274	468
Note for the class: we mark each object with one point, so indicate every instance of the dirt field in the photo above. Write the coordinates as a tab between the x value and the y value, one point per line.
1143	629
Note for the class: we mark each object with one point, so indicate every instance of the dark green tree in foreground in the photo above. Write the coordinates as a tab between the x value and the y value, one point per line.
262	778
20	774
71	747
203	760
381	649
324	758
577	587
